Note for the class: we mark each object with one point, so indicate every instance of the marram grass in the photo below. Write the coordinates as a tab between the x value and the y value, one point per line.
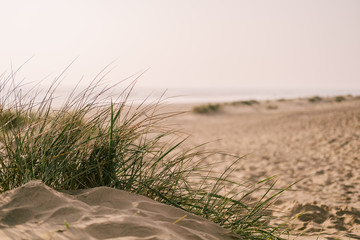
85	144
209	108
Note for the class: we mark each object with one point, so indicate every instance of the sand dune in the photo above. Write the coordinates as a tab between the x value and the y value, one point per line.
35	211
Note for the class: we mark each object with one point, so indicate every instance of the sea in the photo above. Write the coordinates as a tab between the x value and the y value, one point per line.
217	95
178	95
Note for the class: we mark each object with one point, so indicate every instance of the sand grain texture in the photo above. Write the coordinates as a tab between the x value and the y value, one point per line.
35	211
317	144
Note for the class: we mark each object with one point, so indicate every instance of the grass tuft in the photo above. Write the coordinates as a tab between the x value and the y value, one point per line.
10	119
209	108
315	99
85	144
339	98
246	102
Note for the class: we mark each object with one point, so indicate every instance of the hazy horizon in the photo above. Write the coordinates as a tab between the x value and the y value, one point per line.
187	44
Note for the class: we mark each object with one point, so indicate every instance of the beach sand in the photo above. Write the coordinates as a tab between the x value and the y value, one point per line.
317	144
35	211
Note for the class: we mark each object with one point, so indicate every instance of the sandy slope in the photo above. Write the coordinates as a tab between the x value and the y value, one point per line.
317	143
35	211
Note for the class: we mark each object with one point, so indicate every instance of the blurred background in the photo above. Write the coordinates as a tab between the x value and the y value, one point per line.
198	51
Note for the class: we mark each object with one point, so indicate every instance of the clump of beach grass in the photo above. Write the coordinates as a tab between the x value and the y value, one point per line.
244	102
339	98
315	99
87	143
208	108
10	119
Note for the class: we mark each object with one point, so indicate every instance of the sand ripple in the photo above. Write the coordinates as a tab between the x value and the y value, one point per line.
35	211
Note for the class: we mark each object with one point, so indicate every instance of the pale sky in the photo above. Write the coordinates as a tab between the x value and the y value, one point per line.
188	43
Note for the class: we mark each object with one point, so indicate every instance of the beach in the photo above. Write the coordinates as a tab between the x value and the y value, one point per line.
205	120
314	144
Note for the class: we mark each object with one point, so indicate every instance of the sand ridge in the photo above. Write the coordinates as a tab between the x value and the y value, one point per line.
35	211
